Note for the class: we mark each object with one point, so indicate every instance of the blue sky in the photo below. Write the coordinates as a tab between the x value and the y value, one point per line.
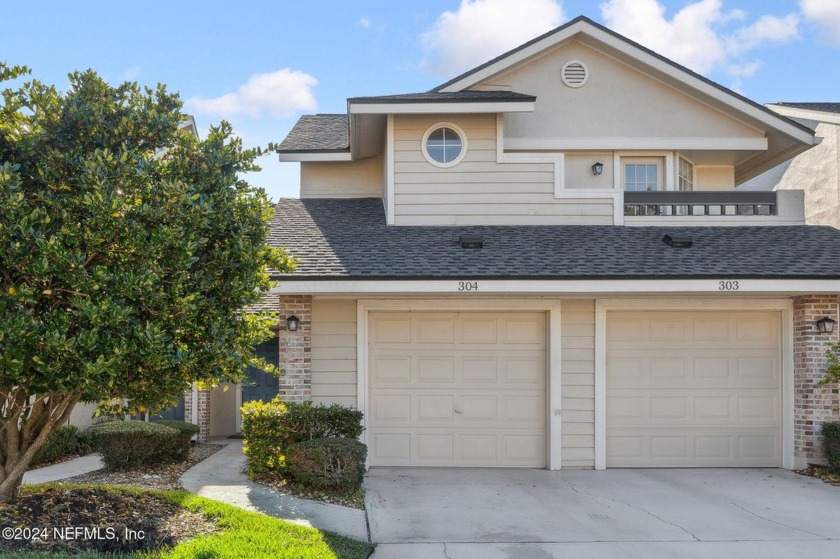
261	64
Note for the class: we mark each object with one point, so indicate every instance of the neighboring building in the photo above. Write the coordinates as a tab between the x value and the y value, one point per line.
817	171
544	263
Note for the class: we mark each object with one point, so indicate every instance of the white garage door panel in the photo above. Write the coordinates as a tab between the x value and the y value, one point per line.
457	389
693	389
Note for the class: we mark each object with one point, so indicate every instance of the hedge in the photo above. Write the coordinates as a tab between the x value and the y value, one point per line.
132	444
335	463
64	441
831	445
186	431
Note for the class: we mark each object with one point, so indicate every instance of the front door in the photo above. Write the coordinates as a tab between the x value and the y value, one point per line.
260	384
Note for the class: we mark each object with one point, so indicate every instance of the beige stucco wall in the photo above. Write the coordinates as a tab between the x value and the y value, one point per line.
618	101
578	171
223	411
714	178
362	178
479	190
817	171
334	351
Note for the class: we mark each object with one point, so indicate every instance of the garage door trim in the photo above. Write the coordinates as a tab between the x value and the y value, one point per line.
603	306
552	350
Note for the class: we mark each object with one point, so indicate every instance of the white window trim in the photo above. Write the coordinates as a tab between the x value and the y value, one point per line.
783	306
693	171
668	170
553	348
458	130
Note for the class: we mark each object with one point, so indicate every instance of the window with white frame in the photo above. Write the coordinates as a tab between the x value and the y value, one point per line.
685	175
642	174
444	144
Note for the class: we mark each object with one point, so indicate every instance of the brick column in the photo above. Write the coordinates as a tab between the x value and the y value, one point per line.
296	349
813	404
203	409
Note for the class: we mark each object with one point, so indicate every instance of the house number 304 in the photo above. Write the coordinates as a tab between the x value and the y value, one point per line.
727	286
467	286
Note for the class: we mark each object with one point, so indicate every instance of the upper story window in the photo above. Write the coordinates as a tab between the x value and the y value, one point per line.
642	174
685	176
444	144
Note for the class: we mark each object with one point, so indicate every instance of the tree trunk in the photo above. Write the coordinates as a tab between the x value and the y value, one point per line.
37	417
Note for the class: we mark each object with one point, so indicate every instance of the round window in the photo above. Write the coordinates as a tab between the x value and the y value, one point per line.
444	145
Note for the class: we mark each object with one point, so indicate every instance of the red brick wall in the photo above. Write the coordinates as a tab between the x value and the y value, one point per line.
203	420
296	349
813	403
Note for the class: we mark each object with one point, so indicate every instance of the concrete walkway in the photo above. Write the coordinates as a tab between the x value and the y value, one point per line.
220	477
613	514
64	470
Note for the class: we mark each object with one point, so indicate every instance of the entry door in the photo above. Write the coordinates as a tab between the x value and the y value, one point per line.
262	385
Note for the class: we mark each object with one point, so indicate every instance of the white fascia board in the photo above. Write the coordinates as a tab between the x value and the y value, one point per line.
477	288
340	156
807	114
609	144
441	108
642	56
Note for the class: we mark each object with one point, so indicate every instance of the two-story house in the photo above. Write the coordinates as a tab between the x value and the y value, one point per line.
544	262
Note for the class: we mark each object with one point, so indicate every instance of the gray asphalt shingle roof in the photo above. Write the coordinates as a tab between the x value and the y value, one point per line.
822	107
324	132
348	238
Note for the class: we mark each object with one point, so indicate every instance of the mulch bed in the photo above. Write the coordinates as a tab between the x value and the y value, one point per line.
163	476
73	520
91	519
354	500
821	472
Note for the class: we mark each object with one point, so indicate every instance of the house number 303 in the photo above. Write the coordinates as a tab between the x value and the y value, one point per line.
728	286
467	286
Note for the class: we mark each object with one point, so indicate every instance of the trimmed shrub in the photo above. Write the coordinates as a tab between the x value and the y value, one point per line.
335	464
131	444
831	445
186	431
305	422
64	441
264	432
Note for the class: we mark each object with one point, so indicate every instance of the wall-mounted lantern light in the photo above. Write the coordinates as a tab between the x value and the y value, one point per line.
597	168
826	325
292	323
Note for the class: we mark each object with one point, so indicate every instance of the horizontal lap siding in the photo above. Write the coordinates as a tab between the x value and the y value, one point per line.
578	383
334	352
478	187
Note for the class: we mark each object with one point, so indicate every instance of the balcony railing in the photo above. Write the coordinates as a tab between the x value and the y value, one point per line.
700	204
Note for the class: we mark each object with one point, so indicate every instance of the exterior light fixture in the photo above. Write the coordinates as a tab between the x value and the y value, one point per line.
597	168
293	322
826	325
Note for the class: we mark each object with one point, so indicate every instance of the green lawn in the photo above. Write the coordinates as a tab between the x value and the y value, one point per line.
243	534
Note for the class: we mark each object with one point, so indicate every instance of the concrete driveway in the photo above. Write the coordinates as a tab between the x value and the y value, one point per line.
645	514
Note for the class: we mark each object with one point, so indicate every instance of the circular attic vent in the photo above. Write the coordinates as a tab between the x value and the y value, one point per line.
574	73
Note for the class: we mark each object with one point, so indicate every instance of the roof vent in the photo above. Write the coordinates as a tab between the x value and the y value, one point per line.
574	73
471	241
677	242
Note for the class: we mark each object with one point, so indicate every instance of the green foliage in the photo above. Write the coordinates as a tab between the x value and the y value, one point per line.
832	368
67	440
126	445
305	422
335	463
263	430
831	445
186	431
130	248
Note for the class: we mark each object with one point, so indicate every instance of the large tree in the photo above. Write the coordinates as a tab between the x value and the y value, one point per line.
129	248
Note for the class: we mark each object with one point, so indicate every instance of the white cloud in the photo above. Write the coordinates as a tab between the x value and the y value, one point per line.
746	70
281	93
480	30
131	74
700	35
364	22
826	15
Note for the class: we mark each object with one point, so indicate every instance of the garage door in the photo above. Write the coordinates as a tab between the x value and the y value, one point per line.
457	389
688	389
